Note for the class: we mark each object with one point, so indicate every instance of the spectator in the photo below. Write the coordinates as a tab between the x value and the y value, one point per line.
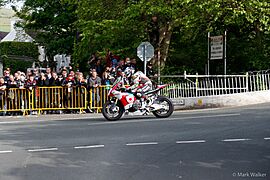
107	78
80	80
108	58
72	74
49	72
17	77
48	76
114	62
63	76
133	64
36	74
64	73
121	64
98	67
28	74
3	85
42	80
22	81
149	70
69	82
2	92
54	81
92	61
127	63
6	75
93	82
12	83
12	100
31	83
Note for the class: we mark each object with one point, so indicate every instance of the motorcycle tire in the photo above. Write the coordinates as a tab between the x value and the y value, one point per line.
105	114
169	112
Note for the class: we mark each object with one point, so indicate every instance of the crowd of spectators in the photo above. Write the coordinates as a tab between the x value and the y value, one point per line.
101	72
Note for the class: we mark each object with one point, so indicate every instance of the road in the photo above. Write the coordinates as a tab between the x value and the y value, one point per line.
216	144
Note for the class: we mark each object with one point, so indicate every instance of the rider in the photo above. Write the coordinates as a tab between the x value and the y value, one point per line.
140	84
121	76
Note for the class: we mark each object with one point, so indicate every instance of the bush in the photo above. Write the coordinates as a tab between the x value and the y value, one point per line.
18	55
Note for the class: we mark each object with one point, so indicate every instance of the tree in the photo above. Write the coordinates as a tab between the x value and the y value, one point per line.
248	26
53	23
177	28
132	22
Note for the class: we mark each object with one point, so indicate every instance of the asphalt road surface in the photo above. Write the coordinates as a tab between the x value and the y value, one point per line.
216	144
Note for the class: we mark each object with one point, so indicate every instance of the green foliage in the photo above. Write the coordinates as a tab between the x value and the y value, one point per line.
18	55
248	27
53	21
83	27
24	49
16	65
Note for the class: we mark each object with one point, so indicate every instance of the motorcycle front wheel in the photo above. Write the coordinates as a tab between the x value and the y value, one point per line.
164	112
112	111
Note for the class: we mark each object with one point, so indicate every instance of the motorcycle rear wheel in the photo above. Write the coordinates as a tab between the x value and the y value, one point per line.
164	113
108	111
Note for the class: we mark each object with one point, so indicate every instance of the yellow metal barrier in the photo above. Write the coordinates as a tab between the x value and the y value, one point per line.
59	98
15	99
97	97
43	98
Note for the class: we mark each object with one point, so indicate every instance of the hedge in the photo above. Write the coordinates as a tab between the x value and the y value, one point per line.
18	55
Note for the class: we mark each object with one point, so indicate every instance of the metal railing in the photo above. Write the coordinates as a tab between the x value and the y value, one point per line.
214	85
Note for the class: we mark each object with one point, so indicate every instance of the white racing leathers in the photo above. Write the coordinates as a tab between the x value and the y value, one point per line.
141	83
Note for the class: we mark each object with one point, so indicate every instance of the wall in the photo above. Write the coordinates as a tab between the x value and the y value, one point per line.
223	100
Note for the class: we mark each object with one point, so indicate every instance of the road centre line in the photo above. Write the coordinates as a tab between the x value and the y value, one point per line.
165	119
235	140
4	152
89	147
42	150
190	142
267	138
142	144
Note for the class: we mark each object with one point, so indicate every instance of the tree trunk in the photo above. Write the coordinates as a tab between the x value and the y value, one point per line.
164	44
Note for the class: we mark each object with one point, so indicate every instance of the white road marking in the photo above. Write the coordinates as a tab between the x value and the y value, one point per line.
166	119
267	138
190	142
142	144
4	152
41	150
235	140
89	147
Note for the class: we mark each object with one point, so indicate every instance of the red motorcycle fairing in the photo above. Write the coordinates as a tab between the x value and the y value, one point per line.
127	100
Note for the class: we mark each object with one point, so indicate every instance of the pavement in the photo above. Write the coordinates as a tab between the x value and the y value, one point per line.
212	144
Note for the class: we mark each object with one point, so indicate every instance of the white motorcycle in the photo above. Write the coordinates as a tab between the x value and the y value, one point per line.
121	101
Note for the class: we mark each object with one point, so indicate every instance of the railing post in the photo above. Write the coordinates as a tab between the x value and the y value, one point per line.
196	85
247	88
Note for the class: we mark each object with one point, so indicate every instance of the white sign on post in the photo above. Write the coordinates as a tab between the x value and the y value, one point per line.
145	52
216	45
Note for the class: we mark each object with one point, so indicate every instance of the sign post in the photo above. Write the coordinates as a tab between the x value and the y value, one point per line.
225	53
145	52
217	49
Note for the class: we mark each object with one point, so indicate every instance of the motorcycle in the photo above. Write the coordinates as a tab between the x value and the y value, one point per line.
121	101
